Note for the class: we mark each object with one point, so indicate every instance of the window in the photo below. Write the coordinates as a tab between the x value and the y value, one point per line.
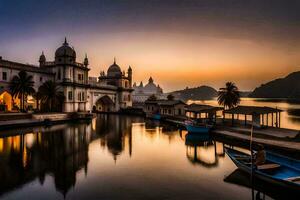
59	74
79	96
80	77
41	79
179	111
4	76
70	95
82	96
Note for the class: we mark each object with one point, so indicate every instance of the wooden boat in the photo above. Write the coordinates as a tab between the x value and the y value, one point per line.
277	170
194	127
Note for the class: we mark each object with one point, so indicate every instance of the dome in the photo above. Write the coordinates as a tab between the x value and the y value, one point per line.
65	51
114	70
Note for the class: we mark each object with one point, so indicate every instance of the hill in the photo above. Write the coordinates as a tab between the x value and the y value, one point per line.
287	87
198	93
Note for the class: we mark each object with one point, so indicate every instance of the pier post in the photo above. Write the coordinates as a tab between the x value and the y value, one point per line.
272	120
276	119
279	119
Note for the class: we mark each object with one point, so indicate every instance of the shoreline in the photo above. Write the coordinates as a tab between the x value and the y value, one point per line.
49	119
46	119
279	143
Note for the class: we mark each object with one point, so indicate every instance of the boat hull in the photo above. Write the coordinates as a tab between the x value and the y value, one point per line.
156	117
197	129
258	175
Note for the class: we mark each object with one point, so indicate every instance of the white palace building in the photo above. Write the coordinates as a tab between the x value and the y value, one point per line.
109	92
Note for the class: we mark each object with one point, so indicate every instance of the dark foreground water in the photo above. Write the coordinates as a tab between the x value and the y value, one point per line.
116	157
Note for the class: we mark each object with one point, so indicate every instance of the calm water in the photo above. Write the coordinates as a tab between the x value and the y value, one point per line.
290	117
115	157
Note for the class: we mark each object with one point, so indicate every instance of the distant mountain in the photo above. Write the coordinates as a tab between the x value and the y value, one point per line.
245	93
288	87
198	93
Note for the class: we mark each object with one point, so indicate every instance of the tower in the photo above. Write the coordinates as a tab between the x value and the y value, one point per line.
151	80
129	72
42	59
86	61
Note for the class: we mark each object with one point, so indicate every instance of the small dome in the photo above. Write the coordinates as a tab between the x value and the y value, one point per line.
114	70
65	51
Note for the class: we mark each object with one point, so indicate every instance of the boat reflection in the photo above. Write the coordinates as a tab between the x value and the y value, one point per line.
202	150
259	189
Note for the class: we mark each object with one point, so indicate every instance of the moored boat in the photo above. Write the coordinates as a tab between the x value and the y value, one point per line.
277	170
194	127
156	116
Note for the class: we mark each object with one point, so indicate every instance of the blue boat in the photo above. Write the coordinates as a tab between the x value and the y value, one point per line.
278	170
156	116
193	127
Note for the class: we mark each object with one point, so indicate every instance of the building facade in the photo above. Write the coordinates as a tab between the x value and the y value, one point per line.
142	93
165	108
108	93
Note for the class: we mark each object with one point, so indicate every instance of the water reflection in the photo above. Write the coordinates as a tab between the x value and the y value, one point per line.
60	151
95	159
202	150
114	134
259	189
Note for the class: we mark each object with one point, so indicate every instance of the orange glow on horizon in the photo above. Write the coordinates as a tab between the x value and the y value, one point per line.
177	60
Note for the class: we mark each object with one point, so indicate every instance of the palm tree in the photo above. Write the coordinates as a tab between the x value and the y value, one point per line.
37	96
229	96
51	97
21	86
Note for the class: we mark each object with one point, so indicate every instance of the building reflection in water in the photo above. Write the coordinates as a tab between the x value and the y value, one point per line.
115	133
60	151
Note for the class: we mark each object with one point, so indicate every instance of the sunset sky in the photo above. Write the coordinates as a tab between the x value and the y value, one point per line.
178	43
